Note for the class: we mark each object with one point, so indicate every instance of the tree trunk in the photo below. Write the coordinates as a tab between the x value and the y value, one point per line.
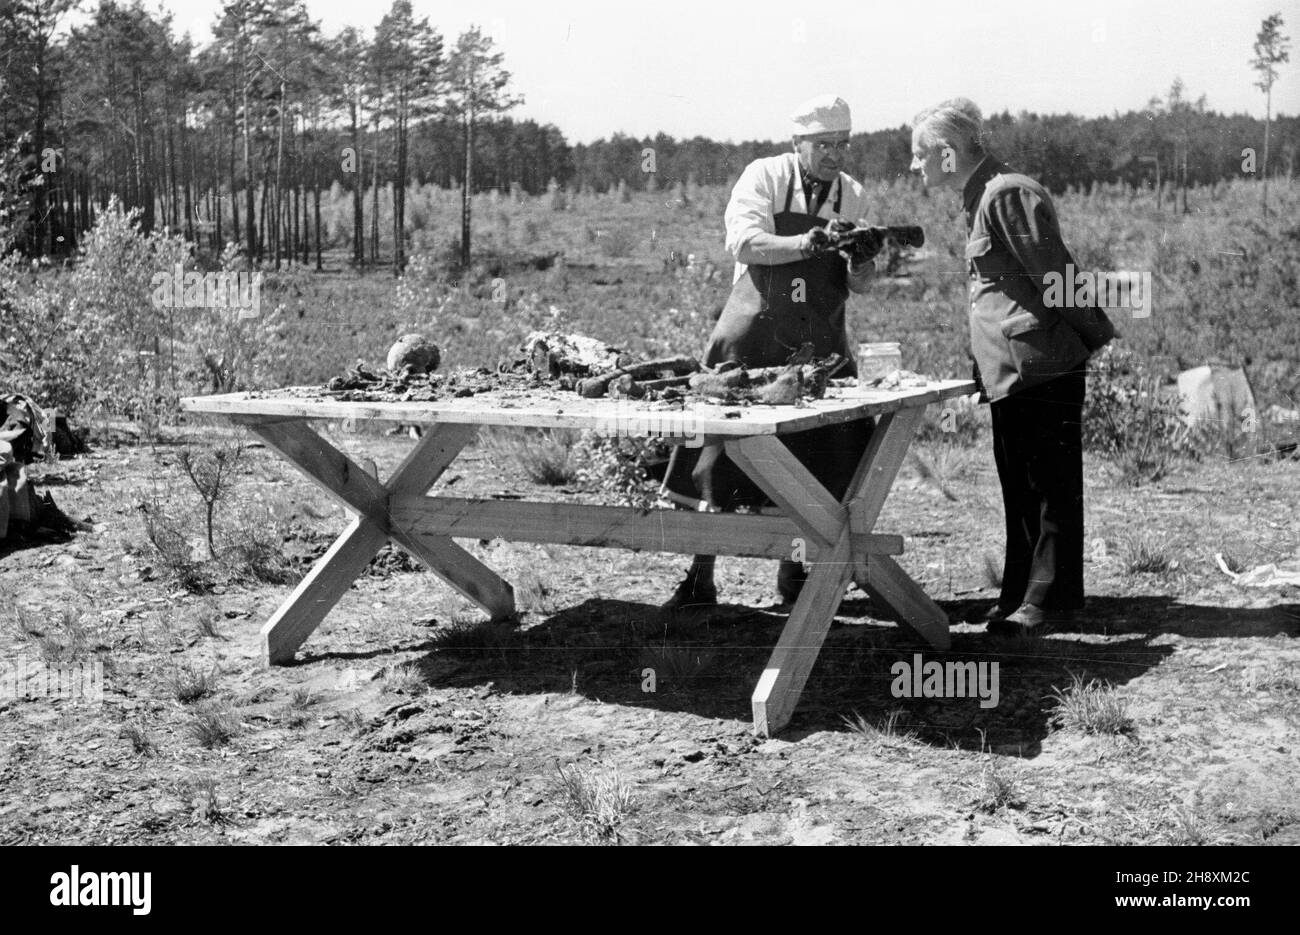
234	189
316	195
254	246
187	157
279	177
171	171
264	233
399	191
467	188
1268	119
358	203
374	205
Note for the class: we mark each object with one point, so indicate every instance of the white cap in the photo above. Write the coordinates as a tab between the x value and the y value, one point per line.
823	114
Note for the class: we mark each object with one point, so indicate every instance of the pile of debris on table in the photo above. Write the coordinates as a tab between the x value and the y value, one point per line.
577	363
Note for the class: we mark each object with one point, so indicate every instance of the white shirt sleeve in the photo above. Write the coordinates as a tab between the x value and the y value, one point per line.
750	210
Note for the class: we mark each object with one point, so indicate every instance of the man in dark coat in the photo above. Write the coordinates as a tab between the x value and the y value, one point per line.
1029	348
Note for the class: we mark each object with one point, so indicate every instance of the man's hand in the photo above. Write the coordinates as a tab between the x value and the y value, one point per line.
814	243
863	246
861	268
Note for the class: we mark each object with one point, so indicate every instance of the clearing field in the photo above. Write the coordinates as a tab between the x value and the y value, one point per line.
1170	712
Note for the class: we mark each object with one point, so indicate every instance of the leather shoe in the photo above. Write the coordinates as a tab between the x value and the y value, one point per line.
1030	618
995	612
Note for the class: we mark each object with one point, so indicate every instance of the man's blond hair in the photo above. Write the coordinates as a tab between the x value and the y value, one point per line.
957	123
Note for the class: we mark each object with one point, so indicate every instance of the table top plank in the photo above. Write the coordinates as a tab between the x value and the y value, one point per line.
547	408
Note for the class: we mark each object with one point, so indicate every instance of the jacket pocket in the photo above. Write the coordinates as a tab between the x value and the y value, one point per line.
984	260
1041	348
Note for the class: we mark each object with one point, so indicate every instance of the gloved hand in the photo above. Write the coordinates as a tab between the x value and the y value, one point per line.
861	245
815	242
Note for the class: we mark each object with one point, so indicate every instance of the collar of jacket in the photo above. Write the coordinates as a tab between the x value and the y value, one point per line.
987	168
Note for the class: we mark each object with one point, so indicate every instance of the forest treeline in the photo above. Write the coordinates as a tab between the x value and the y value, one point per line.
235	140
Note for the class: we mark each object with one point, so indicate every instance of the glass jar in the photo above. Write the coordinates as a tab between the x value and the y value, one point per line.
878	360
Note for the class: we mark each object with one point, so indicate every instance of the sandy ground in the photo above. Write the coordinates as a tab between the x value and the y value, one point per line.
406	720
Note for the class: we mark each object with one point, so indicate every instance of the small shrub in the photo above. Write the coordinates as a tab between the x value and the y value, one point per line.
883	736
532	593
214	725
999	786
939	465
141	742
299	702
258	554
166	532
404	679
546	456
206	621
67	640
1147	554
1092	708
354	720
597	803
200	797
616	468
475	633
1130	418
211	472
189	684
1188	828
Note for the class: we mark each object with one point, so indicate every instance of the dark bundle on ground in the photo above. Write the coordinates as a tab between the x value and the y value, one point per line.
26	517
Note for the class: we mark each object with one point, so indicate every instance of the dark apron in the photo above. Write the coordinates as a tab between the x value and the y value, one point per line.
771	312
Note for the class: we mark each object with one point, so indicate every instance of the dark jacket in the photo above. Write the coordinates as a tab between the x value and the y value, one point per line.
1013	242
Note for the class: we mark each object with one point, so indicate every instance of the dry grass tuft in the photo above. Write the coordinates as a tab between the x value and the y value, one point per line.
1091	708
214	725
1148	554
546	456
189	684
141	742
597	802
885	735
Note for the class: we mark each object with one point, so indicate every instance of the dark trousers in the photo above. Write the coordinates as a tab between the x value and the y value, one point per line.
1038	447
831	453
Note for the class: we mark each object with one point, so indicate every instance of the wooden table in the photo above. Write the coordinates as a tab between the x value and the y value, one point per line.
838	538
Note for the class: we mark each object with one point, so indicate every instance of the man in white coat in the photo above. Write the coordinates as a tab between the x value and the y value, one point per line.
789	289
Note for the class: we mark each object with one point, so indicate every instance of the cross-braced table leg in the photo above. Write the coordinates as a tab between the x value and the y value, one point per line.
370	528
881	575
832	528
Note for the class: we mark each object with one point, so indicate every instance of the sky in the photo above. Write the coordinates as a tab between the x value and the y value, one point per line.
734	71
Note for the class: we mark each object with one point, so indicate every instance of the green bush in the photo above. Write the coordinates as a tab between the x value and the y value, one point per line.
1132	417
